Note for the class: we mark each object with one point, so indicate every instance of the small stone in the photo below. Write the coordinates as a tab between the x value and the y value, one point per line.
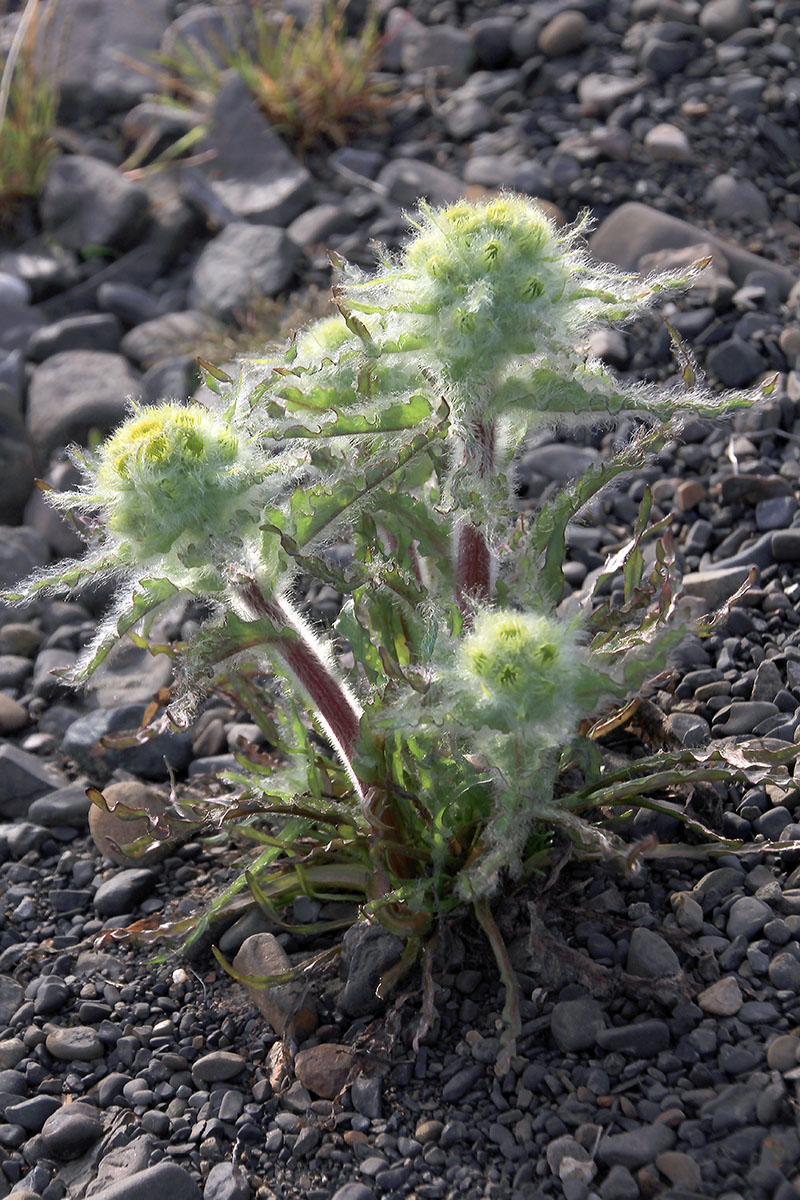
715	585
747	916
242	261
113	830
782	1052
688	912
13	716
353	1191
217	1066
722	999
667	143
575	1024
636	1147
287	1006
565	33
325	1069
644	1039
689	494
124	891
742	717
680	1169
80	1042
720	19
650	957
786	545
784	972
735	362
226	1182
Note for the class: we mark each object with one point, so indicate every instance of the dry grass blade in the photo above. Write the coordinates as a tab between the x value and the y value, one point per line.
27	113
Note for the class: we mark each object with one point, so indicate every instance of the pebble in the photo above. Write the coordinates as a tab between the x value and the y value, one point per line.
77	1043
747	916
722	998
636	1147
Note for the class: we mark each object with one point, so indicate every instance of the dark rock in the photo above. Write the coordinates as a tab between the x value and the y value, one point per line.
636	1147
149	759
22	779
367	952
252	172
644	1039
94	331
241	263
649	956
77	391
123	891
88	204
71	1130
735	362
575	1024
165	1181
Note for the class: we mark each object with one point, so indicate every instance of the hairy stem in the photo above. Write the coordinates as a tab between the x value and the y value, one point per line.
473	560
338	710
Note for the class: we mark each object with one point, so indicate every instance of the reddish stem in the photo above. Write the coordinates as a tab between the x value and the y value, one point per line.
333	703
473	558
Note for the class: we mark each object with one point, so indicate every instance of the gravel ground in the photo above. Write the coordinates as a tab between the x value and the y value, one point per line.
660	1053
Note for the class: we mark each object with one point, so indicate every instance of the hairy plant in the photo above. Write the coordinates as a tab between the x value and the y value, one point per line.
28	105
374	454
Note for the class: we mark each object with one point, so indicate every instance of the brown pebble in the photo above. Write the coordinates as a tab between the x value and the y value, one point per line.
287	1006
689	494
680	1169
325	1069
721	999
782	1052
12	715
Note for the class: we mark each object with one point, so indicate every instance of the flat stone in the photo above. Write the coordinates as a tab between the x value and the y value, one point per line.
88	203
66	806
32	1113
165	336
217	1065
78	1042
742	717
165	1181
785	545
123	891
288	1007
634	230
226	1182
636	1147
23	778
715	585
409	180
644	1039
722	999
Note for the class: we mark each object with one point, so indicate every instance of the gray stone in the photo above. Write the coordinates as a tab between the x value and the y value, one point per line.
123	891
565	33
165	1181
23	778
691	730
66	806
365	1094
367	952
17	323
785	545
649	956
784	972
22	550
353	1191
776	513
448	51
241	263
226	1182
731	1108
575	1024
634	230
91	331
559	461
92	48
735	362
667	143
599	92
75	392
31	1114
71	1130
151	759
78	1042
742	717
217	1065
252	172
408	180
636	1147
164	337
747	916
644	1039
86	203
720	19
715	585
462	1082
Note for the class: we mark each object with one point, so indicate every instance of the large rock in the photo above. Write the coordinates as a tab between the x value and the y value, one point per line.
252	173
92	48
634	230
16	464
85	741
86	203
408	180
75	392
116	826
241	263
